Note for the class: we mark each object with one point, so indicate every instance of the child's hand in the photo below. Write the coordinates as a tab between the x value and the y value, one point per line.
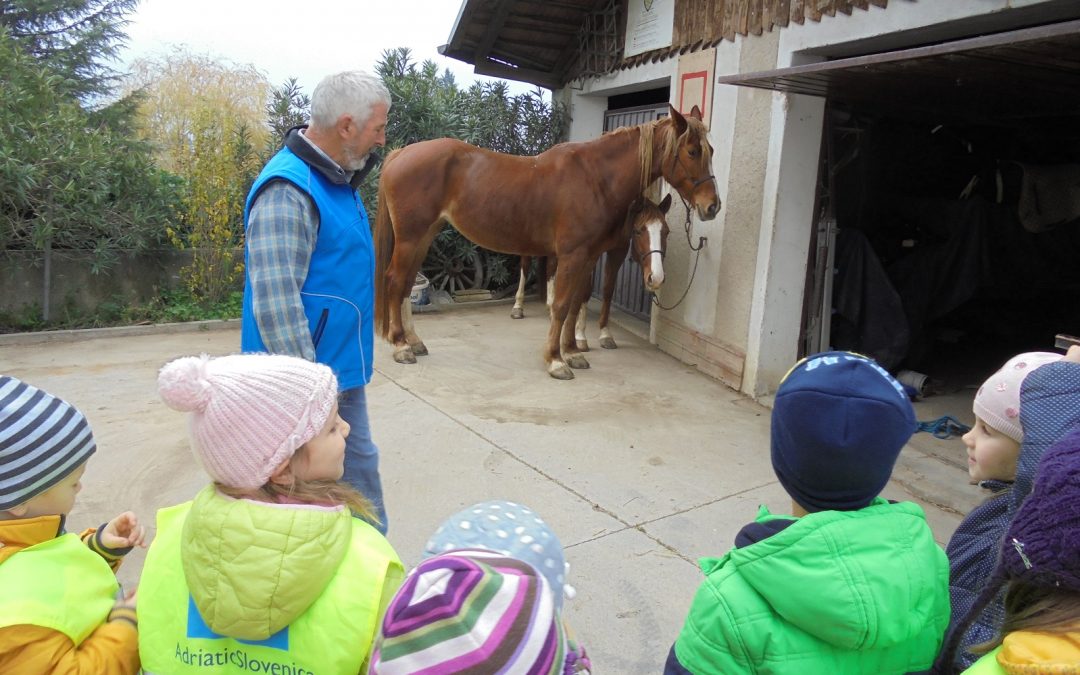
126	602
124	610
123	531
1073	354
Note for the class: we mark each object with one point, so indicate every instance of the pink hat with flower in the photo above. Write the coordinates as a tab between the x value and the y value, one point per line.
997	402
249	412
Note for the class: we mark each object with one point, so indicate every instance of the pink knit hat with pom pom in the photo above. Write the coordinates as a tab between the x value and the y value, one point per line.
249	412
998	400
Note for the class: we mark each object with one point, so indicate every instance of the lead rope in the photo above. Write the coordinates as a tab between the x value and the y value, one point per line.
697	256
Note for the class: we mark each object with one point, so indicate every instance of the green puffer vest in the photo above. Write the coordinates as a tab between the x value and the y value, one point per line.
236	586
837	592
59	584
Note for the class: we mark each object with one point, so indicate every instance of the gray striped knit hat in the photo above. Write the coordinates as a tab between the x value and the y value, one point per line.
42	440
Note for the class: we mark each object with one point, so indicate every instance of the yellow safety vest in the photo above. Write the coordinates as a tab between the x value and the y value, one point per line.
59	584
334	635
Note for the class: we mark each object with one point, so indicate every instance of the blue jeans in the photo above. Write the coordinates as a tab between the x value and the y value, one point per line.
361	455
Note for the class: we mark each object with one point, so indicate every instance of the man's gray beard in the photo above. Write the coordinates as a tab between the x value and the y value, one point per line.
352	163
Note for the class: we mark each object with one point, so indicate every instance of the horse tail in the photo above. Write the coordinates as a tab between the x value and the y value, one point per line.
384	252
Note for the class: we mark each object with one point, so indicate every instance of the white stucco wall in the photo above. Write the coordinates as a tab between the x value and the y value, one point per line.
588	100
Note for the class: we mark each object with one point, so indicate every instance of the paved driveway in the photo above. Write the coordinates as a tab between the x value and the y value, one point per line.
641	464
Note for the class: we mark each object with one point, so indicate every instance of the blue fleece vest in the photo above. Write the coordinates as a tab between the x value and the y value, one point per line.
338	291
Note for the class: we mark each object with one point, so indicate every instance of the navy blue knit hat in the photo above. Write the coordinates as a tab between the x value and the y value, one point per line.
838	424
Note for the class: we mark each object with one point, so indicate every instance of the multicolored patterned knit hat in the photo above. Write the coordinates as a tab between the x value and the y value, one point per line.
510	529
471	612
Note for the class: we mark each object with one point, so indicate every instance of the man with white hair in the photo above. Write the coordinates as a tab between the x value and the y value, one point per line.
309	259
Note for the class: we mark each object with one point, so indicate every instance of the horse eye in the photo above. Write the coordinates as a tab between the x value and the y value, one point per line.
693	152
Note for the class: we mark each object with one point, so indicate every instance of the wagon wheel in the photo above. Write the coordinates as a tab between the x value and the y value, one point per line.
453	271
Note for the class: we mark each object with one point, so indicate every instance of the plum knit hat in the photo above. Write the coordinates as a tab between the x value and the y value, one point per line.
249	412
998	400
1042	545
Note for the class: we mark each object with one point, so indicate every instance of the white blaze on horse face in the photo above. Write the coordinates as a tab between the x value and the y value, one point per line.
655	275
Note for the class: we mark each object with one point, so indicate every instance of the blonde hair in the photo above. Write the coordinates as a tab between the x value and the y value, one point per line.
1038	608
321	492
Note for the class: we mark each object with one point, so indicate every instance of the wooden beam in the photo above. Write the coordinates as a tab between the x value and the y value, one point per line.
464	18
493	69
491	33
565	59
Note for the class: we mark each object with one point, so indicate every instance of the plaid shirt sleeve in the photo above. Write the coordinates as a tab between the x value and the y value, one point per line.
282	228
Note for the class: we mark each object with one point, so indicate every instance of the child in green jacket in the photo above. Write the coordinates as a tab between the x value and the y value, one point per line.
850	583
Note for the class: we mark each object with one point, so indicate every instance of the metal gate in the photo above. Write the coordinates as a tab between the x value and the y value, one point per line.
630	294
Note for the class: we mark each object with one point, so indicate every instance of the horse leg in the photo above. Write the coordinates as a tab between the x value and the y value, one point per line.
568	344
518	312
566	281
611	272
398	284
415	343
579	322
551	268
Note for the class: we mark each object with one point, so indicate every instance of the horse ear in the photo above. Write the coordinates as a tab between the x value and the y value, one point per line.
695	113
665	204
680	121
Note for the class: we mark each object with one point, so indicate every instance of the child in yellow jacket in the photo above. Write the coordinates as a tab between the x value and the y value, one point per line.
59	607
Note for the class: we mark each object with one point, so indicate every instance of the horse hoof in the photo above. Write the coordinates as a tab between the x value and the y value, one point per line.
418	349
582	345
608	343
560	371
404	355
517	313
577	361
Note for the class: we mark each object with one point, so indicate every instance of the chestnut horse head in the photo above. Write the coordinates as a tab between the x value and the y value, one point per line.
649	233
684	155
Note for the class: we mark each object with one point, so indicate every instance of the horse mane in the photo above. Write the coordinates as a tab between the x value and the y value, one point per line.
665	145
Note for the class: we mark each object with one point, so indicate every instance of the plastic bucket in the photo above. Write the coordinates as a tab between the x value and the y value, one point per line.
913	379
420	294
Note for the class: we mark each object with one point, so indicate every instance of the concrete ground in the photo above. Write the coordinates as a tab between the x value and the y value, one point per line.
641	464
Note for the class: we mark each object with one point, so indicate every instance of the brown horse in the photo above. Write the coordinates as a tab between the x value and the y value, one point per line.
648	235
571	199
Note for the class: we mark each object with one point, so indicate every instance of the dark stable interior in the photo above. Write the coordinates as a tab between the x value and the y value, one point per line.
958	242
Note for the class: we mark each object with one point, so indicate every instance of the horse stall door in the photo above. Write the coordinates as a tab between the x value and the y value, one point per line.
630	294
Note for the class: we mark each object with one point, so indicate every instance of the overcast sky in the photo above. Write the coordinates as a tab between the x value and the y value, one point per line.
306	40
